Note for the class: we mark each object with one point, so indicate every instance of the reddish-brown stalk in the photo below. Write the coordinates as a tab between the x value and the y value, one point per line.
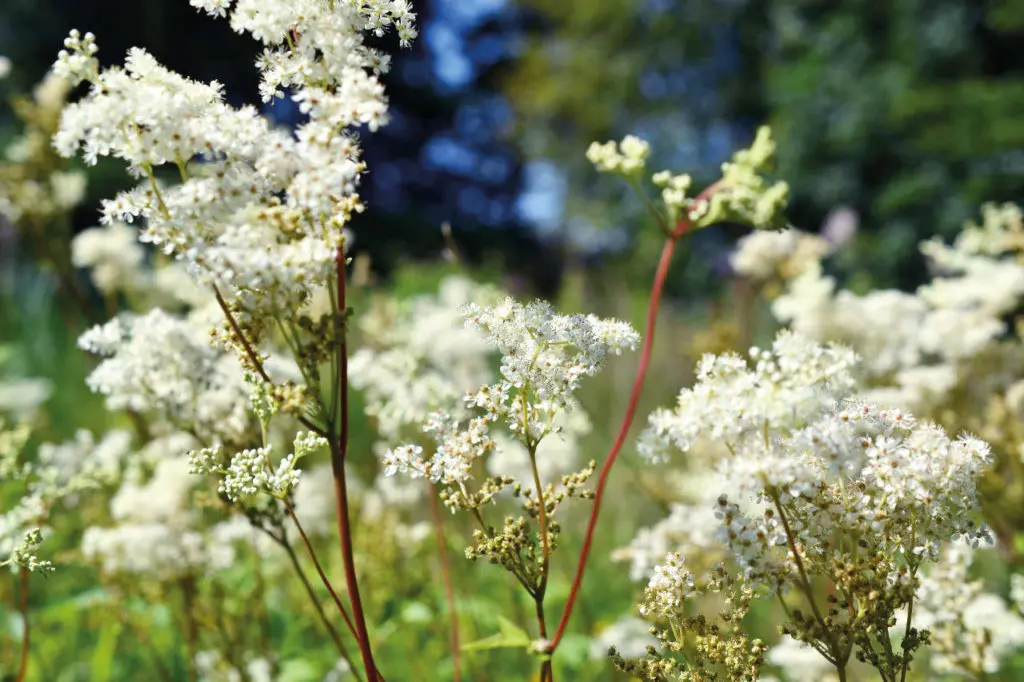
446	576
339	452
320	571
627	421
23	607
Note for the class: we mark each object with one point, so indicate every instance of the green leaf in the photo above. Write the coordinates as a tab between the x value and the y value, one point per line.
510	636
103	654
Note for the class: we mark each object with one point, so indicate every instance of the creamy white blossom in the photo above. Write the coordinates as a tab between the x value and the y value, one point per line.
113	255
972	630
259	212
165	366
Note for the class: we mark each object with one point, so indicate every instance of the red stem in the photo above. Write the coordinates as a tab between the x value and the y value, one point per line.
634	398
338	455
320	572
23	660
446	576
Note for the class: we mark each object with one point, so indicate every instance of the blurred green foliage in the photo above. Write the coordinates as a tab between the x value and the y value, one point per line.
908	112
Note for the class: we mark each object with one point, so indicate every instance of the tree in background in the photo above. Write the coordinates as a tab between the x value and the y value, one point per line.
908	112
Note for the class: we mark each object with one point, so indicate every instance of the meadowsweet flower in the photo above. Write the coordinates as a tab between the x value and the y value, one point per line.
626	158
915	347
251	472
972	630
420	357
5	67
544	357
156	533
163	365
689	530
544	353
763	254
785	387
815	478
259	212
668	588
113	255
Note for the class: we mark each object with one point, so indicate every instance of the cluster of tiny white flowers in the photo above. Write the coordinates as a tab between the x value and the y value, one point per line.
626	157
763	254
419	357
785	388
113	255
689	529
165	367
452	461
544	357
21	533
673	188
545	354
810	467
972	630
916	345
99	462
57	475
669	587
259	212
251	471
155	532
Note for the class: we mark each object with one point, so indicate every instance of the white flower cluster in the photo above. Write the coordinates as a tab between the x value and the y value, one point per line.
157	533
689	529
815	477
113	254
786	388
916	345
669	587
57	476
626	157
972	630
741	194
251	472
544	357
165	367
419	357
763	254
258	212
457	449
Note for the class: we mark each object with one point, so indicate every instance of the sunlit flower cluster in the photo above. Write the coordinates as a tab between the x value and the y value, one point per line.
258	211
162	365
816	479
